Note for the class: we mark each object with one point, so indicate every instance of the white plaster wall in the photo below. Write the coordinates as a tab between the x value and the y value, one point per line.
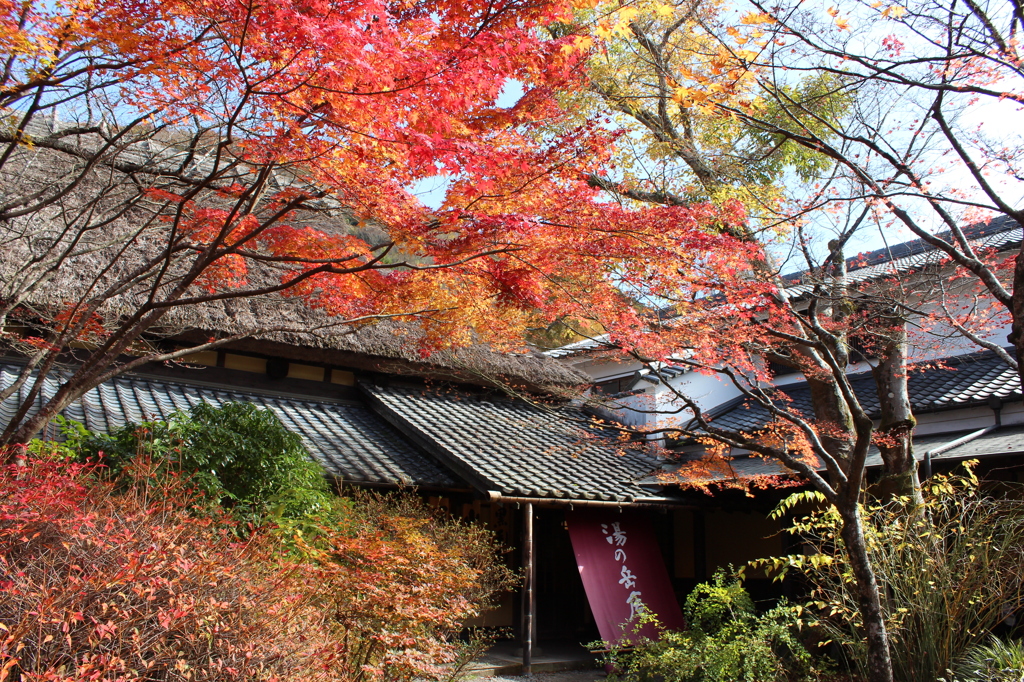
942	340
969	419
707	391
938	338
604	368
635	410
658	406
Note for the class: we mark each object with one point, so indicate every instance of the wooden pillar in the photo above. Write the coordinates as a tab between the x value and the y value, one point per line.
529	600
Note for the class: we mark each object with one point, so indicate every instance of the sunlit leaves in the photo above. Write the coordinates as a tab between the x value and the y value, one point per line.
949	572
330	109
676	83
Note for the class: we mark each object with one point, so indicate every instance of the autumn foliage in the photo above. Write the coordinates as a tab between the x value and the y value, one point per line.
107	582
398	587
164	159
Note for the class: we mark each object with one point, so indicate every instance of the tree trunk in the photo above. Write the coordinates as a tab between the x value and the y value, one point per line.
879	663
830	409
24	426
18	434
847	442
895	432
30	427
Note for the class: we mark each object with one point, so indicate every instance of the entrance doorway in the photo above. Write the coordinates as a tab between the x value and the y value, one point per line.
563	612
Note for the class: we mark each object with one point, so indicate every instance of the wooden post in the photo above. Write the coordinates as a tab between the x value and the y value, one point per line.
529	603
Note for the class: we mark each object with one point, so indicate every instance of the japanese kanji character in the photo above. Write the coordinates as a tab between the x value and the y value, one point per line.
628	579
617	537
636	606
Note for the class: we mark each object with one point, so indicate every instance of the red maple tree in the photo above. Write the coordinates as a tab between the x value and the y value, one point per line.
163	159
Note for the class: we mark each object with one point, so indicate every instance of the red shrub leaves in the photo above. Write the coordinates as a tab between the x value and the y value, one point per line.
111	582
105	585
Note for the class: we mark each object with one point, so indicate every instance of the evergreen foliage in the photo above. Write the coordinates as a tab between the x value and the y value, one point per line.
237	453
728	641
997	661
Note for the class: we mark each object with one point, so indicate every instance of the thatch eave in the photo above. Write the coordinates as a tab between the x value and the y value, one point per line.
377	348
98	229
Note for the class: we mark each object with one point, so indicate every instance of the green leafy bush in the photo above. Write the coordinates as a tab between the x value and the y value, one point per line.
237	453
997	661
949	572
728	641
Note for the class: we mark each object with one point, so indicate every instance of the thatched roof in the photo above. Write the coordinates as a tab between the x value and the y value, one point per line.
391	347
94	224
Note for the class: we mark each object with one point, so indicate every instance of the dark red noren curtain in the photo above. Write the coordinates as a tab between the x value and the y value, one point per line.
623	573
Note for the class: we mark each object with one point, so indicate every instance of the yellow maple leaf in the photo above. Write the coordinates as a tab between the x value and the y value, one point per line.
583	43
621	28
578	44
663	10
628	14
757	18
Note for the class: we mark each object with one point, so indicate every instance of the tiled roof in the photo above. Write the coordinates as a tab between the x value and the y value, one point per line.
578	347
964	380
349	440
1000	233
1001	224
512	447
1000	442
1004	441
655	376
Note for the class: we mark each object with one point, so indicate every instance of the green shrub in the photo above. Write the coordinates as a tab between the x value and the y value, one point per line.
948	572
727	641
997	661
237	453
